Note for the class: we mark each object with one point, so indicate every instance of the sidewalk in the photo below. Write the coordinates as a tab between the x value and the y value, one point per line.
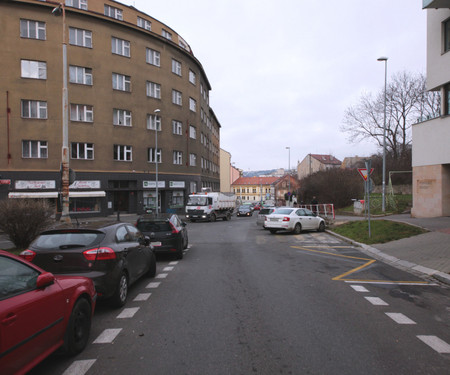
427	253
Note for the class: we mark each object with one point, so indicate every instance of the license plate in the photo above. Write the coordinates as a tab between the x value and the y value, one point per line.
155	243
272	219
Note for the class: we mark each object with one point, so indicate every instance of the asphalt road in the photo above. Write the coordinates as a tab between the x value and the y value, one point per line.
244	301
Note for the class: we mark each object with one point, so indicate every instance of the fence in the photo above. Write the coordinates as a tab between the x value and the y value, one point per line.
325	210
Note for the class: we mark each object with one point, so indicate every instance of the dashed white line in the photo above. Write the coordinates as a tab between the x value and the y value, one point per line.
400	318
359	288
174	263
376	301
153	285
142	297
129	312
107	336
166	269
161	276
435	343
79	367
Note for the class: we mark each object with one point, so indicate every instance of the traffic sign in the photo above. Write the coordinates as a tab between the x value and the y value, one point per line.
364	174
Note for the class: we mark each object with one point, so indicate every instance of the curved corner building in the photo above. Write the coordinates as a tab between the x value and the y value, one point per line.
136	96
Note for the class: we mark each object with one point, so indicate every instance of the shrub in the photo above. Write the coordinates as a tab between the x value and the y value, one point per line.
23	219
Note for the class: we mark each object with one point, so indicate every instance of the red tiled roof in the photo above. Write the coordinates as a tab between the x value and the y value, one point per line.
255	180
326	159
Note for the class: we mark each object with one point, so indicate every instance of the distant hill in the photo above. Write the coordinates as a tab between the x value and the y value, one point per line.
267	172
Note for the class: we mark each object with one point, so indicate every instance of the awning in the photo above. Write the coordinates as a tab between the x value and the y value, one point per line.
83	194
54	194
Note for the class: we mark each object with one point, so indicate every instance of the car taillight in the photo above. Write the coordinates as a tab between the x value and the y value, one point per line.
101	253
28	255
174	230
286	218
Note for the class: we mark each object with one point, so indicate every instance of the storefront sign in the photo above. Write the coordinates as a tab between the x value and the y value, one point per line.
95	184
177	184
152	184
47	184
5	182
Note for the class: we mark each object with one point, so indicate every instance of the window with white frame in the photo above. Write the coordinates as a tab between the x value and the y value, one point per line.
192	77
33	69
153	122
121	82
80	4
123	153
81	112
154	90
81	75
83	151
177	127
154	156
34	149
176	67
121	117
153	57
33	109
32	29
192	105
177	157
144	24
166	34
120	47
193	160
177	97
80	37
113	12
192	132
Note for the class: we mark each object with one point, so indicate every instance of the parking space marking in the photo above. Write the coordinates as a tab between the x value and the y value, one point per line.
107	336
153	285
376	301
161	276
359	288
435	343
79	367
166	269
400	318
142	297
129	312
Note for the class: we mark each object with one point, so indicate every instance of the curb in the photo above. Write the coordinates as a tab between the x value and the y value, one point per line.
402	264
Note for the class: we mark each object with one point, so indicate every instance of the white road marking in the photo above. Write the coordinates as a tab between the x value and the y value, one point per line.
389	283
161	276
435	343
174	263
142	297
168	269
128	313
359	288
376	301
153	285
79	367
107	336
400	318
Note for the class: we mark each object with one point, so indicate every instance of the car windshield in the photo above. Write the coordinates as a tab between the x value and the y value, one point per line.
244	207
197	201
283	211
265	211
154	226
68	239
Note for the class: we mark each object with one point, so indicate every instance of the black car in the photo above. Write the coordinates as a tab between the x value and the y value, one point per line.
245	210
113	255
167	232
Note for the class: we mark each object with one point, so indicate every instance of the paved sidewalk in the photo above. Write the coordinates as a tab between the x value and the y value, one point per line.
427	253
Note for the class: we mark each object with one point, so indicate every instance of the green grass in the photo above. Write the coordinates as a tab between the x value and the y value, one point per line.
394	205
381	231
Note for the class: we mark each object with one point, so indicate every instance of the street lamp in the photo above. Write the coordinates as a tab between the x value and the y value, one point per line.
157	112
61	10
383	198
289	176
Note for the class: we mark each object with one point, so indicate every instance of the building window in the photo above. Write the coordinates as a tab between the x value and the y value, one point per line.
80	37
177	97
34	149
154	90
123	153
81	75
81	112
192	77
34	109
177	157
193	160
166	34
176	67
120	47
154	122
192	132
447	99
113	12
32	29
147	25
153	57
121	117
84	151
177	127
447	35
80	4
33	69
192	105
152	155
121	82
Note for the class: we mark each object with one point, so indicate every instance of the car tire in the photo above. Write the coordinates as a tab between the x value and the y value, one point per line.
298	228
212	217
187	243
179	254
273	231
152	269
321	227
78	328
120	295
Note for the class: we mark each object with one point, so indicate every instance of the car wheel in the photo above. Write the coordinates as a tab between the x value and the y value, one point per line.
297	228
120	295
187	243
192	221
179	254
212	217
78	328
273	231
228	216
152	269
321	227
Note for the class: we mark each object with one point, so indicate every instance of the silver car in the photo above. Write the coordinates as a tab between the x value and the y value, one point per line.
291	219
262	215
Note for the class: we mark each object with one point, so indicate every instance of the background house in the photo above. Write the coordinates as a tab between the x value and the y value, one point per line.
313	163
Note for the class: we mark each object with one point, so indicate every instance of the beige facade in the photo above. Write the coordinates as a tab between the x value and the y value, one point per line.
225	171
313	163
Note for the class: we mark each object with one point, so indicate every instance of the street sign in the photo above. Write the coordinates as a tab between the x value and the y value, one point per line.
364	174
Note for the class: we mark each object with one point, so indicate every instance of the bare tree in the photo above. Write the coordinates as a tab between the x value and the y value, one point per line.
407	102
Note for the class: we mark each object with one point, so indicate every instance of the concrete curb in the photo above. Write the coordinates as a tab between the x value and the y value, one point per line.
402	264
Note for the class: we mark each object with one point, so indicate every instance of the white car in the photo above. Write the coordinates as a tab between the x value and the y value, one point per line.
291	219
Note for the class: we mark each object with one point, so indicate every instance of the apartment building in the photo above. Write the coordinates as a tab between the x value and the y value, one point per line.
139	118
313	163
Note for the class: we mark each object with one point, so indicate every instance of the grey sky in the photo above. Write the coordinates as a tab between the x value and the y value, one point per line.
283	72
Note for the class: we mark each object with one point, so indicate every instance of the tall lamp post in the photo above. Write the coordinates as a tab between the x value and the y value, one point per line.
157	112
61	10
383	198
289	176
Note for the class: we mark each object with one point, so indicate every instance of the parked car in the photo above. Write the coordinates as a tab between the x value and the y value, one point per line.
244	210
113	255
40	313
167	232
293	220
263	212
257	206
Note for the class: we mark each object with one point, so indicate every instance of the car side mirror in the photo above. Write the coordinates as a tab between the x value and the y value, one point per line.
44	280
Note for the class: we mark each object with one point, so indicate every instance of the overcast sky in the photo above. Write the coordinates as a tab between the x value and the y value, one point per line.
284	72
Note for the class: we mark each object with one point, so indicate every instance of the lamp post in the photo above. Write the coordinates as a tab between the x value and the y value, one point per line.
61	10
383	198
289	176
157	112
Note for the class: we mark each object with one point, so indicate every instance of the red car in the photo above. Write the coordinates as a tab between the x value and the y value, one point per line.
39	313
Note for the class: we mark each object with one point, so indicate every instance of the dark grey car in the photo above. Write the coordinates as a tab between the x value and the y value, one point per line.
262	215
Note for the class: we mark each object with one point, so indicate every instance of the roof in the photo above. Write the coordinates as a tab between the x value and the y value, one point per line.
255	181
326	159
